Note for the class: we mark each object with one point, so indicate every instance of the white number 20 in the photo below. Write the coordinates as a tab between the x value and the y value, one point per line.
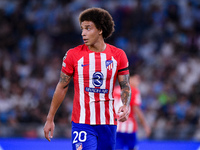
78	135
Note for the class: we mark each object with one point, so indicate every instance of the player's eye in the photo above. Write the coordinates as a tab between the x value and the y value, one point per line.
88	29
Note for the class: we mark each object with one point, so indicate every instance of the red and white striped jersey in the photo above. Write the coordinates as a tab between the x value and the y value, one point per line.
94	75
130	125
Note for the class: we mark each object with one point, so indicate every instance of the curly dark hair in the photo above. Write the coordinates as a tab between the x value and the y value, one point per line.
101	18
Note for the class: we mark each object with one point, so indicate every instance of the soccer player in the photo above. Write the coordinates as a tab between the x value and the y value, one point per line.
126	131
94	66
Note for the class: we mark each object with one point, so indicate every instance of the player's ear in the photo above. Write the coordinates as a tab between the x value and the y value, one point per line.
100	31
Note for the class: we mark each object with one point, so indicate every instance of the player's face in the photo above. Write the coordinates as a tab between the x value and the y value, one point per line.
90	33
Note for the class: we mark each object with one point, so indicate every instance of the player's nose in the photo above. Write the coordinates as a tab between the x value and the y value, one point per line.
83	33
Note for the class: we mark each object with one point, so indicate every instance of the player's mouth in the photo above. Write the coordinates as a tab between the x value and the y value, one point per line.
85	40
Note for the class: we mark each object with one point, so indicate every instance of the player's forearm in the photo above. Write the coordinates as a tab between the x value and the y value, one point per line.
57	99
59	94
126	90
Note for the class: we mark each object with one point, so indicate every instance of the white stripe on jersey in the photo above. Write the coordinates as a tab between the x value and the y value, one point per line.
102	95
110	91
104	72
111	112
81	91
91	94
112	78
102	112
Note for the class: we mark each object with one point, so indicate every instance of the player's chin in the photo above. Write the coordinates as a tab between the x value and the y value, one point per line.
87	43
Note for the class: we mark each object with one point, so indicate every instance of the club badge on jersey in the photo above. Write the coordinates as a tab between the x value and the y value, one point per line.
109	64
79	146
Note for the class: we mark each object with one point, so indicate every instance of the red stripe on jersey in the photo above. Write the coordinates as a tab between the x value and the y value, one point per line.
76	108
96	95
107	110
114	114
87	98
76	105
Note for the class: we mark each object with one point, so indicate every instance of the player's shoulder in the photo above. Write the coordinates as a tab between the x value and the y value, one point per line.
76	49
115	50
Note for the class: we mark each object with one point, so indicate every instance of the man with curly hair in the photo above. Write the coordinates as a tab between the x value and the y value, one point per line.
94	66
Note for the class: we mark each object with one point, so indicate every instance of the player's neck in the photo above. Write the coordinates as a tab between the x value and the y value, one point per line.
98	47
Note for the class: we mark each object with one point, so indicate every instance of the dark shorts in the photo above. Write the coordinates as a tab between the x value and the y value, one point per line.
126	141
93	137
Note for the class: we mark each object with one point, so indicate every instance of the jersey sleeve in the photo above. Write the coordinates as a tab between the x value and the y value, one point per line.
123	64
67	65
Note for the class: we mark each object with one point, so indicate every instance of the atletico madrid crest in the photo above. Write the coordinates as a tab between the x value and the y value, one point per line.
79	146
109	64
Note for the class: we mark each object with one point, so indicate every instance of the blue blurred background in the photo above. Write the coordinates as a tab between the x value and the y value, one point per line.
160	37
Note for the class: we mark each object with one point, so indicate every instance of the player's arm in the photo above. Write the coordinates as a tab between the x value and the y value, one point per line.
139	113
125	97
59	94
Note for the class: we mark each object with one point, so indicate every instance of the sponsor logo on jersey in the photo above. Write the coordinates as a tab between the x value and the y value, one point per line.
94	90
109	64
97	79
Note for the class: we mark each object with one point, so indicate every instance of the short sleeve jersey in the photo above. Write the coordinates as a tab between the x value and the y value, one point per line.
130	125
94	75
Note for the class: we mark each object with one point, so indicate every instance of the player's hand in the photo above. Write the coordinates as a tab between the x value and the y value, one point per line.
123	113
147	131
49	127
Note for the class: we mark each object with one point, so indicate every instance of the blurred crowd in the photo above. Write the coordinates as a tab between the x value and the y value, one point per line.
160	37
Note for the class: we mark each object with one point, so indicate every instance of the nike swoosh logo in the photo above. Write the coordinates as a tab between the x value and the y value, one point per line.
84	65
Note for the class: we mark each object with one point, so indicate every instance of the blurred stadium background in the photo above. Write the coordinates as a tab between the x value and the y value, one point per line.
160	37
